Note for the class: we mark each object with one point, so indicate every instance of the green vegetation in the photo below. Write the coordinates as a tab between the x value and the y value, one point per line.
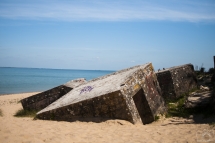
212	124
25	113
177	108
157	118
1	114
52	117
211	70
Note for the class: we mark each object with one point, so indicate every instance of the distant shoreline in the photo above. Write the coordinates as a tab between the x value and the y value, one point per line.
33	93
60	69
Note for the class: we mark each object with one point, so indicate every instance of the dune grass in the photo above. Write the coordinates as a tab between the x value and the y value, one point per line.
25	113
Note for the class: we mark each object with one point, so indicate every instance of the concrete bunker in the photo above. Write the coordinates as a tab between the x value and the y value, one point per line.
42	100
131	94
176	81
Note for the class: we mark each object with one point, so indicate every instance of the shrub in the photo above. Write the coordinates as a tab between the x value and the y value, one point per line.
25	113
177	108
157	118
211	70
202	70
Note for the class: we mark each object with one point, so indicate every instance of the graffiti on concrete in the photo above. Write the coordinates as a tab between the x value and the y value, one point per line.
86	89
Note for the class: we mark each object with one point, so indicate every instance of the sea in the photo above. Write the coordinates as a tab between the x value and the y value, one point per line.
23	80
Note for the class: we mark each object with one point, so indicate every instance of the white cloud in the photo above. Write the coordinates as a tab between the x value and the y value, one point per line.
109	11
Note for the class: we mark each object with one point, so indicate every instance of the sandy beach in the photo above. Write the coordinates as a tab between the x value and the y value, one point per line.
26	130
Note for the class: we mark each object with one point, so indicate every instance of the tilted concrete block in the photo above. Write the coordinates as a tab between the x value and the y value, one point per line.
176	81
42	100
132	94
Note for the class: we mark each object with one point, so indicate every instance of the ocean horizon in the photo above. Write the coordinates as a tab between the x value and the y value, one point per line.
21	80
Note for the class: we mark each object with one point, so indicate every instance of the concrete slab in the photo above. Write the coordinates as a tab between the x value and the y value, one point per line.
42	100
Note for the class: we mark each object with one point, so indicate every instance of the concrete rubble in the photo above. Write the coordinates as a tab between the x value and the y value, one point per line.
131	94
204	88
199	99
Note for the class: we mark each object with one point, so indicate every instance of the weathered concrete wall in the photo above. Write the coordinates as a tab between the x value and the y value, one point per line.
176	81
132	94
42	100
103	107
213	102
143	96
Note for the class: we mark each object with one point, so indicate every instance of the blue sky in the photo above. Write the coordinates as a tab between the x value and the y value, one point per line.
106	35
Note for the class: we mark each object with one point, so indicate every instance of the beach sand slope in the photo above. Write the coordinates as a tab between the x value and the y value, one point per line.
26	130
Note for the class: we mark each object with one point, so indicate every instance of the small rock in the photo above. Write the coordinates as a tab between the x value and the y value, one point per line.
198	99
191	117
200	78
204	88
